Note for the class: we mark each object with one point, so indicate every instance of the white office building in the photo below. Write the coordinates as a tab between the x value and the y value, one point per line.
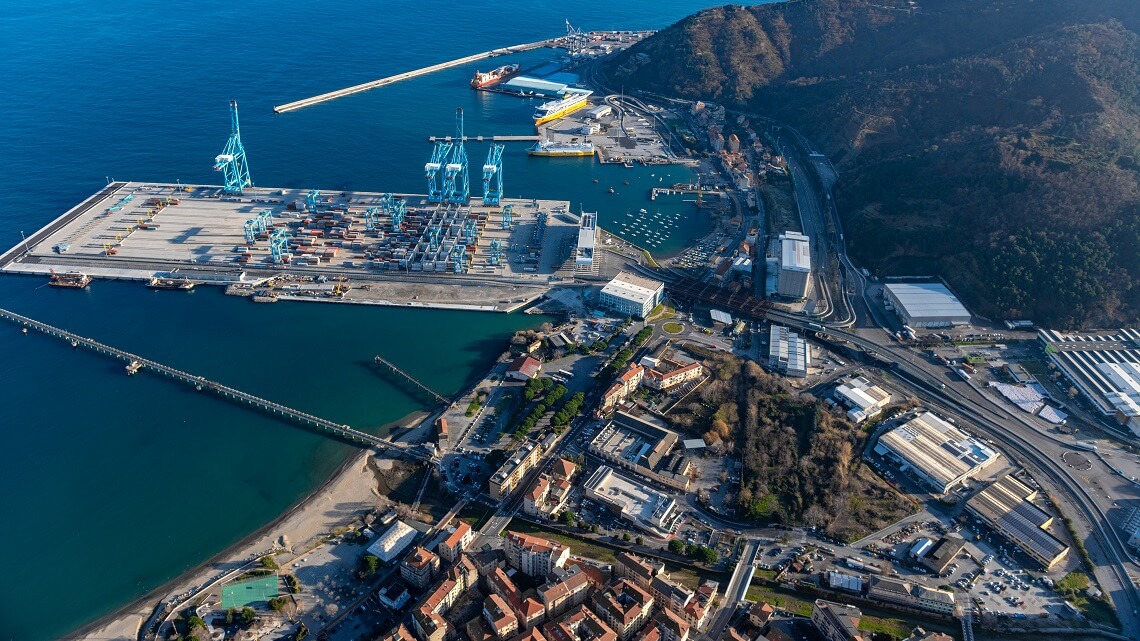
632	295
587	236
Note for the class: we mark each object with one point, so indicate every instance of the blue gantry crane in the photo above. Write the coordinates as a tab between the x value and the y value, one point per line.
470	231
459	259
493	176
435	233
250	229
372	219
508	216
278	245
313	200
496	254
433	171
456	181
399	210
231	162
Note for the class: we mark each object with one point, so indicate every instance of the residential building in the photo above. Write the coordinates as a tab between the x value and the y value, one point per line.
670	374
918	634
624	607
560	596
401	633
536	498
534	556
419	568
513	469
788	352
911	595
527	610
760	613
794	276
563	469
625	384
451	547
669	595
427	618
670	625
937	453
837	622
631	295
580	624
524	368
499	617
636	569
533	634
1007	507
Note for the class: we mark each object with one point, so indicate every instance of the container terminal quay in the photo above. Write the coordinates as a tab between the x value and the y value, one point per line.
345	246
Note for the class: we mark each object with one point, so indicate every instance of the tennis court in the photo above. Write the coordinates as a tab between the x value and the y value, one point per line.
236	595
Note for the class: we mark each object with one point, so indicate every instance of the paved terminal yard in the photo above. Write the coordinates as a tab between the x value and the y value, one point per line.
358	246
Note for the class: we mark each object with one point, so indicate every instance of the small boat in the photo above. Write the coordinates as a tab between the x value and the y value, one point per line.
179	284
133	367
625	182
612	190
595	180
75	343
24	330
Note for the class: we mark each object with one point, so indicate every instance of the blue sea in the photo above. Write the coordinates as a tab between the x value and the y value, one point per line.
113	485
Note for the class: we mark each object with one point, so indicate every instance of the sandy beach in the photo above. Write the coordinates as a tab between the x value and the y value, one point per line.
350	493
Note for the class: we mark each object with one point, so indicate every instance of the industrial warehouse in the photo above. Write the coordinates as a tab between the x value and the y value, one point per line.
938	453
1007	507
645	448
862	399
925	305
788	352
1104	366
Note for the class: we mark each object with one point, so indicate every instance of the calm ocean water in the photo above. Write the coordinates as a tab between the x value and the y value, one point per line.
112	485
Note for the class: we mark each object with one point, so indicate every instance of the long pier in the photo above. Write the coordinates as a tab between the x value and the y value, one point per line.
200	383
380	360
348	91
483	138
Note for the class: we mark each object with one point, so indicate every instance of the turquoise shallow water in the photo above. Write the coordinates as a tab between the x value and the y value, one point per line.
112	485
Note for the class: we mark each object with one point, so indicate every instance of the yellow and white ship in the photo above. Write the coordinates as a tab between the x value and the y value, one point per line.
555	109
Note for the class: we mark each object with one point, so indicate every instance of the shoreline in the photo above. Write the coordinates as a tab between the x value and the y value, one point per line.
115	624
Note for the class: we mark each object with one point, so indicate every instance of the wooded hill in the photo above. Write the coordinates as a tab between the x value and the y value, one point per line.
992	142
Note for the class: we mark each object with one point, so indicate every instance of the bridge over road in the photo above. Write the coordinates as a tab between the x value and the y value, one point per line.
200	383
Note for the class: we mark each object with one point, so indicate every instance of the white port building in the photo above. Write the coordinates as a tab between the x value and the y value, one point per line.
926	305
788	352
631	294
939	454
795	265
644	507
587	237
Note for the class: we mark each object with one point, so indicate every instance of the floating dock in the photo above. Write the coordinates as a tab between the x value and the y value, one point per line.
199	233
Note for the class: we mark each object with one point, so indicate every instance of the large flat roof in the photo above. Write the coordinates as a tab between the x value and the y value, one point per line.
1005	503
633	287
937	449
1105	365
924	300
636	501
795	252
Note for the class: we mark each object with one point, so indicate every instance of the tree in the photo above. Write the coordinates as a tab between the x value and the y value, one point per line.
248	616
269	563
639	540
195	622
567	517
277	604
625	536
369	564
230	614
677	546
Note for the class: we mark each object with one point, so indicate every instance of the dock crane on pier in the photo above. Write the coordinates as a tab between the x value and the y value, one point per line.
508	216
231	162
456	181
459	258
493	176
496	253
399	210
433	169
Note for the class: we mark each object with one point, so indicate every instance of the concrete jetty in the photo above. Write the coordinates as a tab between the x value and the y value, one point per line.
200	383
348	91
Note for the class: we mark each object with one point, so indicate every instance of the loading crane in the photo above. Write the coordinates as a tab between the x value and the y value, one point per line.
433	169
278	246
508	216
456	181
459	259
399	210
493	176
372	219
470	231
496	254
231	162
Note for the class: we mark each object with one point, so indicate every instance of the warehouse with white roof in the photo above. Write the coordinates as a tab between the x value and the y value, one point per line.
862	399
1105	366
393	542
788	352
795	265
925	305
938	453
